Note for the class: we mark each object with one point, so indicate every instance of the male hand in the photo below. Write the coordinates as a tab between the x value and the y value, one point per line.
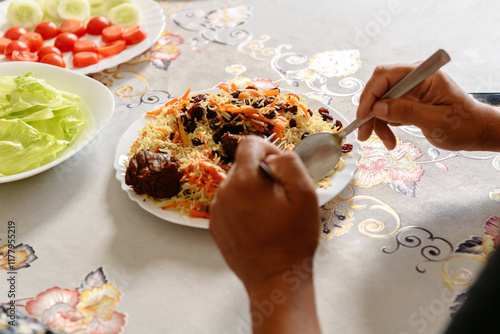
448	117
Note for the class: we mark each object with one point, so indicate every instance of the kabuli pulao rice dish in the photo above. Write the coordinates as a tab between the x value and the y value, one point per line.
188	145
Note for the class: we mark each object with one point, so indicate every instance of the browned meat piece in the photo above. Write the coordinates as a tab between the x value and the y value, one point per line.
230	143
153	174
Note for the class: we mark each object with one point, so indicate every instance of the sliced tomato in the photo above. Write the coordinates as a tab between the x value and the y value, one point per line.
14	33
53	59
48	49
113	48
4	41
84	45
24	56
135	35
15	46
47	29
73	26
33	39
84	59
65	41
97	24
112	33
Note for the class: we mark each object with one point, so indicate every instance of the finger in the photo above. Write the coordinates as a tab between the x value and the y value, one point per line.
385	134
382	79
365	131
409	112
252	149
292	175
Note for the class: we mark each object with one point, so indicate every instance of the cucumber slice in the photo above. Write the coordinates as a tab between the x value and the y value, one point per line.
24	13
74	9
126	14
51	8
109	4
96	10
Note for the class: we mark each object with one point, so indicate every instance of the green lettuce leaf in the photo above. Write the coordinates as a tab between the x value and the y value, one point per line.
36	121
23	147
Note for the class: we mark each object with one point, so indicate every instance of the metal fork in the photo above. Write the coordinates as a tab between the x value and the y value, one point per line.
265	168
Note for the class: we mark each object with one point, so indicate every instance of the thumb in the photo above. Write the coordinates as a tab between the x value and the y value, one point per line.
405	112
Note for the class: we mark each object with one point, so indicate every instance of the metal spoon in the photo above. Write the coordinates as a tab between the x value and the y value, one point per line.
320	152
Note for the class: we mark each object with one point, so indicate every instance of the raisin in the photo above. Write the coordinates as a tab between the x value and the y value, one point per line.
346	148
292	109
236	93
270	126
199	98
338	124
234	129
196	111
216	137
325	114
259	103
213	124
293	123
305	134
211	114
196	142
191	126
171	136
271	114
309	111
251	87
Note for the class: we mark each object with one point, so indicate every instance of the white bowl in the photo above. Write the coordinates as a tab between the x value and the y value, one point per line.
97	105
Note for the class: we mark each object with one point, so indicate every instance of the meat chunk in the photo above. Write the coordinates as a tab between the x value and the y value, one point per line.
230	143
153	174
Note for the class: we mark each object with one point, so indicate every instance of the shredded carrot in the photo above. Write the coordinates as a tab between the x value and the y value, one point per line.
254	92
198	214
181	129
257	126
233	86
176	137
186	94
154	112
242	110
173	205
271	92
225	88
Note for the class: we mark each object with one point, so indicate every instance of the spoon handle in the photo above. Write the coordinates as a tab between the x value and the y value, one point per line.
419	74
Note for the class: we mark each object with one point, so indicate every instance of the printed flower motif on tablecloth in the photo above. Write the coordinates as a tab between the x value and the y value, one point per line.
165	50
336	63
396	167
476	248
221	25
90	308
244	81
336	219
17	257
483	245
495	195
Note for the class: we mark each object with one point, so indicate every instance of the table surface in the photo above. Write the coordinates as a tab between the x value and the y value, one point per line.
400	245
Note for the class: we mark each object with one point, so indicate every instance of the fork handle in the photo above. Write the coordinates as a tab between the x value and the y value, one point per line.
412	79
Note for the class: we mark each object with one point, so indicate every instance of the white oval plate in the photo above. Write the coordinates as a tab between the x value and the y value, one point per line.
339	180
97	105
152	20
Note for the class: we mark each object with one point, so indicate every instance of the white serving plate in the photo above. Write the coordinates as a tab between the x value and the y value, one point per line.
339	179
152	20
97	105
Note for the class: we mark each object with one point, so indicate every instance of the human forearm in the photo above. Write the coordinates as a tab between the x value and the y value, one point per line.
281	307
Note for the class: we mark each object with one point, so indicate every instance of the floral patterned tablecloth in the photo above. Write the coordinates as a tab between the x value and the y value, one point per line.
400	244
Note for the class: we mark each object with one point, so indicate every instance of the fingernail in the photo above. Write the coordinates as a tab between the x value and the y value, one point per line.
379	109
